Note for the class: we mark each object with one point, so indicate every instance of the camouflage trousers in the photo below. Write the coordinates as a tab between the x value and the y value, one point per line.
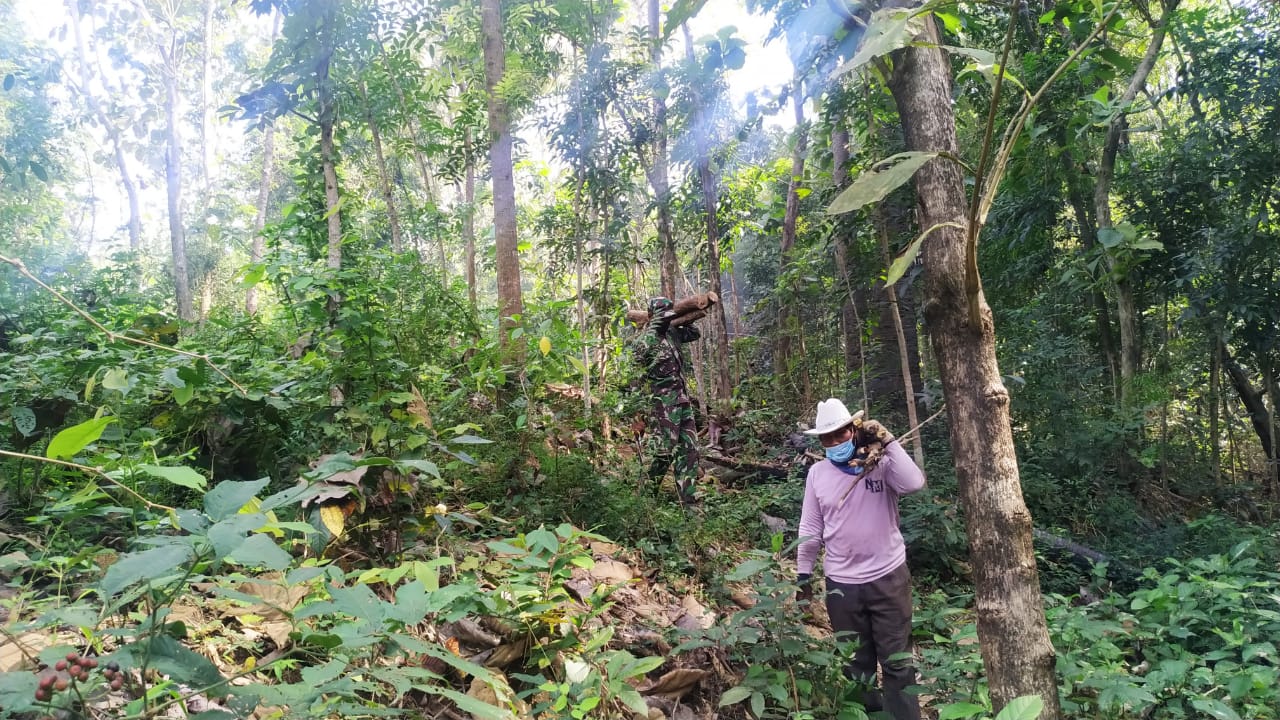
673	441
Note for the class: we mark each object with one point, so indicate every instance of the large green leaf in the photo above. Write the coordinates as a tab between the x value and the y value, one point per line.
1027	707
228	496
179	475
956	711
143	566
1215	708
735	695
74	439
883	178
887	30
261	551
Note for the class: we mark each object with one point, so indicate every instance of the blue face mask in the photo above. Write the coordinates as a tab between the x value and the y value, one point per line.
841	453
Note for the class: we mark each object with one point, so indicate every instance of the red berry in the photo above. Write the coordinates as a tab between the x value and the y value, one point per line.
72	657
60	685
47	681
90	663
117	684
43	695
60	665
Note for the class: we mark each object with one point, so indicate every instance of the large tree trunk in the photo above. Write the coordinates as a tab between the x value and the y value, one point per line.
788	319
173	183
206	109
1012	632
113	132
1254	402
1089	241
657	170
258	248
393	217
507	259
908	359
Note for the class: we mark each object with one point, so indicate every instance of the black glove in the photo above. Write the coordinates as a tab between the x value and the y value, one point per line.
660	322
805	593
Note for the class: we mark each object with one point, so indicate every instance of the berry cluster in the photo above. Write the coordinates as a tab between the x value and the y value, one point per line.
73	672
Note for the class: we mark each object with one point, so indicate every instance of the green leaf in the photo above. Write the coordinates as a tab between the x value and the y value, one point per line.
954	711
903	261
261	551
734	695
183	395
887	30
1214	708
180	475
478	709
143	566
1027	707
116	379
74	439
425	466
9	81
38	170
679	13
171	378
883	178
228	496
748	569
470	440
24	419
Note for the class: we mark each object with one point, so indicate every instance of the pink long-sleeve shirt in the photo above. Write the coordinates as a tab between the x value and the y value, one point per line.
861	535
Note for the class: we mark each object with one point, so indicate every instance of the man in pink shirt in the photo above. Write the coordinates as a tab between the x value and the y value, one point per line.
851	510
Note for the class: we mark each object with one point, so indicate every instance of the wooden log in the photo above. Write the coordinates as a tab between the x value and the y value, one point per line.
640	317
687	310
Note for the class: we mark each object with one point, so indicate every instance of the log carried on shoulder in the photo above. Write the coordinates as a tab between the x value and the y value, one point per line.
687	310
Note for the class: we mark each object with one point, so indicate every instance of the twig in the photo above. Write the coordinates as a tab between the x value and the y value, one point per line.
93	471
114	336
899	440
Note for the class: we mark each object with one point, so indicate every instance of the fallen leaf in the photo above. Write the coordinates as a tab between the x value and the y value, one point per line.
675	684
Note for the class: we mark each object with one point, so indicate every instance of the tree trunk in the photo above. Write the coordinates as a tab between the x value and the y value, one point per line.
173	183
507	259
906	357
657	171
1215	372
469	219
206	110
1253	400
393	217
113	132
850	331
1126	306
1089	241
1013	635
788	320
710	205
258	248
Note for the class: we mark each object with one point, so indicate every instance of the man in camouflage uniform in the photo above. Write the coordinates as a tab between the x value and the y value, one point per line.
674	437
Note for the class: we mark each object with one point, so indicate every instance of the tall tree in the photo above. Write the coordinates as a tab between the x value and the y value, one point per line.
657	169
510	304
109	125
1012	631
788	320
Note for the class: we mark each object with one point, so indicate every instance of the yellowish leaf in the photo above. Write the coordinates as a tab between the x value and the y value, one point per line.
418	410
250	662
334	519
545	345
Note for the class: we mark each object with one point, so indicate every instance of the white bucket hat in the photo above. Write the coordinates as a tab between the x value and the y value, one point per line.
832	415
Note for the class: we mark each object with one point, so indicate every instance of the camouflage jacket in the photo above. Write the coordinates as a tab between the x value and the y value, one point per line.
661	359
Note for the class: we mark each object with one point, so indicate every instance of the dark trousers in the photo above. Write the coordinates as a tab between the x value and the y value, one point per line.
879	614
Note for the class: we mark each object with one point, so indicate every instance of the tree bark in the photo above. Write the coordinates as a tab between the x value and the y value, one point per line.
1013	634
173	184
113	132
469	219
1254	402
1126	305
708	183
657	171
1215	372
1089	241
258	248
510	303
788	321
906	357
327	117
851	333
206	111
393	217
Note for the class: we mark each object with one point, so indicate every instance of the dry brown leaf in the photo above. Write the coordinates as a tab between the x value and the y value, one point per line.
333	518
418	410
611	571
675	684
14	651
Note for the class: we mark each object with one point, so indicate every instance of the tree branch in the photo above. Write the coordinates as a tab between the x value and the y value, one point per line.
93	471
